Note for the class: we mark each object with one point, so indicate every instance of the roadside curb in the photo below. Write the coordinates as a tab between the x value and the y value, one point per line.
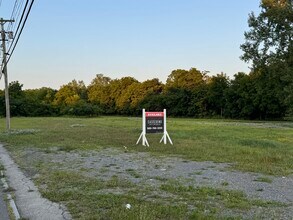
30	202
11	201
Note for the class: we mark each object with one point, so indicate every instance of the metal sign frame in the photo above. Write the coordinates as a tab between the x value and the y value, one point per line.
142	136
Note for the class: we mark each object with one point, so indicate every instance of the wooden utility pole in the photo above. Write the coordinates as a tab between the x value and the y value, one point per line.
4	71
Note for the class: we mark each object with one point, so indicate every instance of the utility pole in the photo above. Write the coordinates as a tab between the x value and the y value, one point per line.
4	71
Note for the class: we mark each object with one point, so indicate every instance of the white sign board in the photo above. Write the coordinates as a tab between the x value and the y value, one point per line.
154	122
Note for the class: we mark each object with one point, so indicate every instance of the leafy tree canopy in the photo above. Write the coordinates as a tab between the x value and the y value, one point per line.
270	37
70	93
185	79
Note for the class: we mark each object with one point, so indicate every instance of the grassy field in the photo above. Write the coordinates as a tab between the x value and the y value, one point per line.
263	147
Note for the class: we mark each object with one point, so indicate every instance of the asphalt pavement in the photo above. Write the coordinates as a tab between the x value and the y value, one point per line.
3	206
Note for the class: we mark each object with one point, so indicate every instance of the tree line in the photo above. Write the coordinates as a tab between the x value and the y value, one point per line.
186	93
265	93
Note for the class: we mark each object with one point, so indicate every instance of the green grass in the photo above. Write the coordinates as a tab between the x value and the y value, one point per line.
133	173
217	198
265	147
89	198
264	179
86	200
1	167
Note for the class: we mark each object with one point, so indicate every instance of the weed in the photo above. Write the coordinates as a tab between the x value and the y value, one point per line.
225	183
264	179
163	179
9	189
133	173
259	189
1	167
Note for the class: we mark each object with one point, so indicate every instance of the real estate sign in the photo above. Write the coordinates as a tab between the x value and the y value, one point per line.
154	122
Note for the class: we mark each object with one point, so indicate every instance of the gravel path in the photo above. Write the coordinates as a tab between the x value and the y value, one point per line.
111	162
145	169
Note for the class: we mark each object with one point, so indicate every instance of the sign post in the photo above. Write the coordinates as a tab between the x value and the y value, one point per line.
143	133
154	122
165	134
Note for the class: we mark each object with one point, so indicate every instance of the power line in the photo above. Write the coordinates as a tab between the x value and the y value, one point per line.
17	39
14	8
20	22
15	14
11	17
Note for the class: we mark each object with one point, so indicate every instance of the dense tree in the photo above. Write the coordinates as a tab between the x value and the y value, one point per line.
269	93
39	102
71	93
241	98
32	102
198	103
109	93
215	96
185	79
136	92
256	95
81	108
177	101
99	89
269	47
271	33
117	91
44	95
17	99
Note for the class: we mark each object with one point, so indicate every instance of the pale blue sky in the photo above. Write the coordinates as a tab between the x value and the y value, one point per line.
70	39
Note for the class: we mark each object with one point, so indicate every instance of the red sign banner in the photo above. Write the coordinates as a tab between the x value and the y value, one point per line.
154	114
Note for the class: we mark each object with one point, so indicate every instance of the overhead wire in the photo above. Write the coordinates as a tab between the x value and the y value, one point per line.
15	14
20	27
17	29
15	17
13	11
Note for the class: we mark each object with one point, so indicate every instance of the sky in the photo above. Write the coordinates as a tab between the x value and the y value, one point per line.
70	39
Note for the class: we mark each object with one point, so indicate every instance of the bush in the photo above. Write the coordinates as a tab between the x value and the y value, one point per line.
81	108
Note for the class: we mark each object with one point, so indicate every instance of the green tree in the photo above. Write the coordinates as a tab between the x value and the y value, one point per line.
17	99
215	98
269	47
39	102
117	90
198	103
98	91
178	101
43	95
71	93
185	79
135	94
240	98
31	102
270	36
